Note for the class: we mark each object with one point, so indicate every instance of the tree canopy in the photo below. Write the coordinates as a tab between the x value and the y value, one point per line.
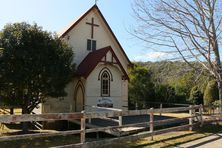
196	96
140	87
170	82
183	29
211	93
35	65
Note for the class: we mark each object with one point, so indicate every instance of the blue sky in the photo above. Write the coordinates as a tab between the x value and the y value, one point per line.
55	15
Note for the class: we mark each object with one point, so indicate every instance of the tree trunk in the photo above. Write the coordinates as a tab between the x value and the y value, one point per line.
24	124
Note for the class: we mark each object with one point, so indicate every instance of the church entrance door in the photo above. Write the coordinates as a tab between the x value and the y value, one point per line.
79	97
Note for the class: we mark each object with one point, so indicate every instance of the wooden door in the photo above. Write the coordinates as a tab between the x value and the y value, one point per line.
79	98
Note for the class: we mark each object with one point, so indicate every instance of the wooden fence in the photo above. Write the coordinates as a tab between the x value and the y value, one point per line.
195	118
8	109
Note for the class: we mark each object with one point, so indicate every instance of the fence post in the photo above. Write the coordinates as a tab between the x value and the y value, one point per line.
89	120
120	120
191	117
161	106
136	106
11	111
201	114
151	122
220	106
83	128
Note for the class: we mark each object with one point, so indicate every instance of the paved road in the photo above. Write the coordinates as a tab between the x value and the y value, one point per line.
213	141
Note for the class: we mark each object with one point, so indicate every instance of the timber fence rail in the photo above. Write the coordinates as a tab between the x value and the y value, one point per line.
212	113
7	110
91	109
194	118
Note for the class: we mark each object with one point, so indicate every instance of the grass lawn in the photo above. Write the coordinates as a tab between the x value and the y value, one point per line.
177	115
17	111
172	139
165	140
41	142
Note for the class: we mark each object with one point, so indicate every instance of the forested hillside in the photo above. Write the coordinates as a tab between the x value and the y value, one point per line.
171	82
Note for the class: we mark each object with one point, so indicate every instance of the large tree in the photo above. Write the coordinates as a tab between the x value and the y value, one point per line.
35	65
141	89
187	29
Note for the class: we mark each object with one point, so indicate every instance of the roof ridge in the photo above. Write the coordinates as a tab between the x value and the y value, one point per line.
92	59
105	22
77	19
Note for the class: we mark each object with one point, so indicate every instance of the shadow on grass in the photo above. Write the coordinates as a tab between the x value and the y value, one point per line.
41	142
13	126
162	140
205	142
206	130
15	129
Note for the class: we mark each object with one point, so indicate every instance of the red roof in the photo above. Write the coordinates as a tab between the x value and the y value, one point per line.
76	22
92	60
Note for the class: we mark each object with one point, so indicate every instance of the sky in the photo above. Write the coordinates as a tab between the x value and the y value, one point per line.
55	15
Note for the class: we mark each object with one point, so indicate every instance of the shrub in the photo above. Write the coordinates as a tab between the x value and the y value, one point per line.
196	96
211	92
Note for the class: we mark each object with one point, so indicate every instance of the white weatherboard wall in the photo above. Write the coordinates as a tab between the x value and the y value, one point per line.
77	39
62	104
118	87
81	32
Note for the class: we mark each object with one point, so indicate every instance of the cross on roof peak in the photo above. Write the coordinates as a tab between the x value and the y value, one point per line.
96	2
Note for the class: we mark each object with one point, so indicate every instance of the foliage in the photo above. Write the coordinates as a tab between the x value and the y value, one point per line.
187	30
211	92
178	76
216	103
172	82
141	89
196	96
35	65
165	71
165	93
183	85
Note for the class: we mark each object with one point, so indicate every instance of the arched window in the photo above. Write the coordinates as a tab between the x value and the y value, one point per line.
105	84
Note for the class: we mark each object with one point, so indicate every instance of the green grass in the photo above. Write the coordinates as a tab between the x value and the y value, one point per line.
171	139
165	140
41	142
15	129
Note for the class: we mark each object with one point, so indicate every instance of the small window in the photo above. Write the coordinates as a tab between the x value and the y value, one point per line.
105	84
91	45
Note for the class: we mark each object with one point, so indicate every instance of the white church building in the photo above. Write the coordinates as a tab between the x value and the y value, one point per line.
101	77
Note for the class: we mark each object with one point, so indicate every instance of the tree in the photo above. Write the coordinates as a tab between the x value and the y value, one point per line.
165	93
211	92
190	30
183	85
196	96
140	87
35	65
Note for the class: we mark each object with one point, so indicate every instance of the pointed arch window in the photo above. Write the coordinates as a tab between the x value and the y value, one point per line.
105	84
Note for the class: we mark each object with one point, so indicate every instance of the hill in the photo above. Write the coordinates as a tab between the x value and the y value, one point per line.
171	81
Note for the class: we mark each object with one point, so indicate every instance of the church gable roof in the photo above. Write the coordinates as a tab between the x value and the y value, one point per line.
104	20
92	60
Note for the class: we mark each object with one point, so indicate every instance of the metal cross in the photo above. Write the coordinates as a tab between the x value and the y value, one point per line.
96	2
